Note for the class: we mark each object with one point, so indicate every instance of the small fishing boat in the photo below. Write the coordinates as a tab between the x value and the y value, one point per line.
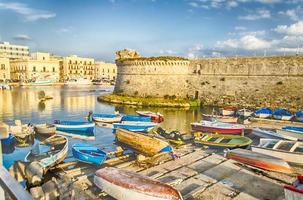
223	141
136	118
88	154
228	110
135	126
45	129
77	82
244	113
282	114
127	185
49	152
142	143
107	118
298	136
263	113
290	151
217	127
23	134
296	129
294	191
219	118
82	126
39	81
174	137
299	116
156	117
259	160
271	134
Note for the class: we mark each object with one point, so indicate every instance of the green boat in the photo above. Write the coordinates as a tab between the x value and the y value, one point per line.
223	141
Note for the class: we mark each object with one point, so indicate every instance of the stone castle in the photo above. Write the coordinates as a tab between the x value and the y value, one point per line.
248	81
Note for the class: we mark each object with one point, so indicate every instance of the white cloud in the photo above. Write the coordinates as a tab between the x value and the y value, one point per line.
247	42
260	14
22	37
293	29
294	14
29	14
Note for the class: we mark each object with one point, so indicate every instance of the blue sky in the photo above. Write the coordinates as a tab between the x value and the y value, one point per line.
191	28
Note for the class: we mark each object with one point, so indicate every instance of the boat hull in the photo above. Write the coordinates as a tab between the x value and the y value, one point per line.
134	127
299	119
107	119
244	113
292	134
133	118
227	112
263	115
44	130
88	157
82	128
270	134
282	117
216	130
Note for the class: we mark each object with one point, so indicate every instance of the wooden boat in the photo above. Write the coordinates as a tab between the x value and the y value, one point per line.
259	160
263	113
244	112
135	126
49	152
127	185
217	127
298	136
81	126
282	114
299	116
156	117
23	134
142	143
296	129
107	118
290	151
223	141
219	118
88	154
45	129
271	134
294	191
136	118
228	110
174	137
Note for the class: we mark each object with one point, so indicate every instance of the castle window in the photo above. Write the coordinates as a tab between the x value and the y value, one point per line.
34	68
44	69
114	71
54	70
2	66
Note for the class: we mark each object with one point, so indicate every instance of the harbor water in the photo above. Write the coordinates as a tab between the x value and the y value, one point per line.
74	103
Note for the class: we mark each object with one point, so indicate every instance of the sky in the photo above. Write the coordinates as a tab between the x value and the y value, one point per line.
189	28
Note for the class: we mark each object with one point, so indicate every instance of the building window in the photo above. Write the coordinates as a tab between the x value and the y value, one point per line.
103	70
2	66
54	70
44	69
108	70
34	68
43	58
114	71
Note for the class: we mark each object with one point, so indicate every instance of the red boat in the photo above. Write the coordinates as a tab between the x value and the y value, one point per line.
294	191
217	127
155	117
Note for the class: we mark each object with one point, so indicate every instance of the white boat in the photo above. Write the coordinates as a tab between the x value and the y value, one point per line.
290	151
244	112
77	82
126	185
228	111
293	134
38	82
107	118
271	134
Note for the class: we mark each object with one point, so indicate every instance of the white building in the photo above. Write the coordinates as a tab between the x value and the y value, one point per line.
12	51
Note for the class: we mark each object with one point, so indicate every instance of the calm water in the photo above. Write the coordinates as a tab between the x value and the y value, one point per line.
74	104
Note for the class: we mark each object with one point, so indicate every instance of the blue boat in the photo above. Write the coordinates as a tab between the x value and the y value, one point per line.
296	129
88	154
282	114
107	118
299	116
81	126
135	126
9	140
264	113
136	118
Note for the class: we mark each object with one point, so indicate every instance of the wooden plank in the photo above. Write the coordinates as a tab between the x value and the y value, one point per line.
12	187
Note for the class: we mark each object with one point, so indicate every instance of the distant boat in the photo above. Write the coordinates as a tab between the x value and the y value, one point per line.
259	160
82	126
294	191
299	116
127	185
45	129
244	112
88	154
263	113
282	114
296	129
293	134
136	118
50	152
228	110
77	82
224	119
38	81
142	143
271	134
225	141
217	127
135	126
156	117
107	118
290	151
